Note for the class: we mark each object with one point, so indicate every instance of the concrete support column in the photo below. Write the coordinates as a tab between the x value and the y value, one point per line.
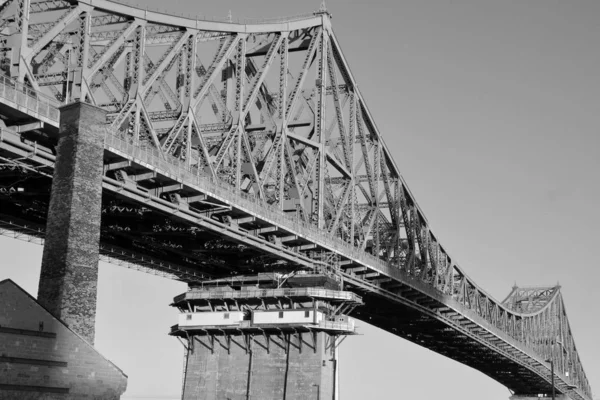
261	367
69	276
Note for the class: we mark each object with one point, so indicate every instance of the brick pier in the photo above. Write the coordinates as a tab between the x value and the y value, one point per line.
69	276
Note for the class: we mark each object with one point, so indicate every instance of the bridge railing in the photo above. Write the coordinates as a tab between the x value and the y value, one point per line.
338	326
28	98
196	294
179	170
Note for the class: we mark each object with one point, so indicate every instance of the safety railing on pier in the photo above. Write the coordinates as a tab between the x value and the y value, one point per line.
196	294
338	326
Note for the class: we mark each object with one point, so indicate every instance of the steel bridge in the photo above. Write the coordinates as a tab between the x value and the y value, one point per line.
236	148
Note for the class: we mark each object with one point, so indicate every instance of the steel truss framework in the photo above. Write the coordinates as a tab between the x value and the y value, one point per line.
241	148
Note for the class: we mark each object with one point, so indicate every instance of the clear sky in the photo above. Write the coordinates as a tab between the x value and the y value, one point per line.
491	110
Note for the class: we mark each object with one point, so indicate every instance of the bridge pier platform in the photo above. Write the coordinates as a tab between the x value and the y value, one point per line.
255	340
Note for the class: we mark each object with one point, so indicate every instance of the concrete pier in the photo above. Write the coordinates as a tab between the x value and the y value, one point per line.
271	367
255	338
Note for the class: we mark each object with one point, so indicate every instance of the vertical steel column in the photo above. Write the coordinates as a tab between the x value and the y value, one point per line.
240	81
83	52
376	176
319	189
351	139
282	120
283	70
229	87
190	73
23	30
139	45
181	80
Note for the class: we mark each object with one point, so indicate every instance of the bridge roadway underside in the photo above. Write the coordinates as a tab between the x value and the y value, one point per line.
139	227
398	319
430	332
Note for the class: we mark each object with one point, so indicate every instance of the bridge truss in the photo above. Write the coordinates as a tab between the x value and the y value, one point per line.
237	148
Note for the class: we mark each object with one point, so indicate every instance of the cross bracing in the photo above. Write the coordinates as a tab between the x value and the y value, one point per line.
234	148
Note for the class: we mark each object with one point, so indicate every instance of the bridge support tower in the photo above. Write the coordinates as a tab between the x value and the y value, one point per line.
69	275
259	338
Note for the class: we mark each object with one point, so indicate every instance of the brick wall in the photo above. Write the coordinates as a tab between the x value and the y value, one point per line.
41	358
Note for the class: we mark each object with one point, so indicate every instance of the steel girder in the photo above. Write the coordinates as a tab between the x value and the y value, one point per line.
272	112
